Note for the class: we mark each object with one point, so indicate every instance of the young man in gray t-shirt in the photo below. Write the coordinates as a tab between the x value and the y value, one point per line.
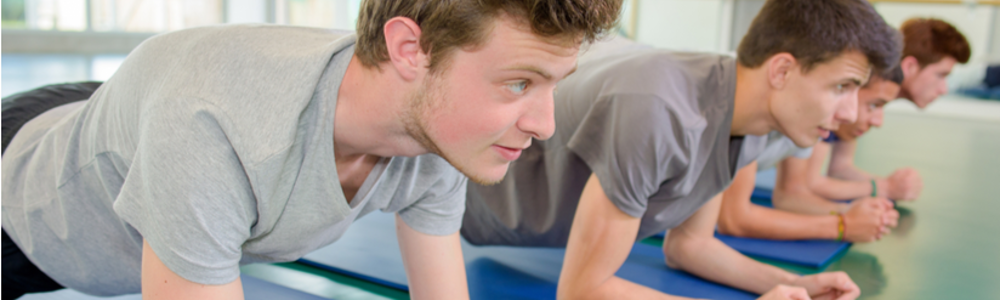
648	139
220	146
803	191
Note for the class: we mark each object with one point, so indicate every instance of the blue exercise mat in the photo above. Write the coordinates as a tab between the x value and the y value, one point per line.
809	253
369	250
253	289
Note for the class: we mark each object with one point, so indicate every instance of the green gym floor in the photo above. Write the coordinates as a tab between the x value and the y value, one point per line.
947	245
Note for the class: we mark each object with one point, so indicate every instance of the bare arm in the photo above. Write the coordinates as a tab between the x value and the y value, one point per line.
903	184
842	162
599	242
792	190
808	218
828	187
740	217
692	247
159	282
434	265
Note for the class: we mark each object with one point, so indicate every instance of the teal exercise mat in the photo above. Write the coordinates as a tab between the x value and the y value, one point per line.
761	196
810	253
253	289
369	250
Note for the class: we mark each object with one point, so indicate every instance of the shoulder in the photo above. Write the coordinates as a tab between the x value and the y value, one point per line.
675	78
245	35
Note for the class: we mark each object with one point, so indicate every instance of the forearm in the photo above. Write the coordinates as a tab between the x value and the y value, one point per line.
599	242
767	223
709	258
845	171
842	163
836	189
802	200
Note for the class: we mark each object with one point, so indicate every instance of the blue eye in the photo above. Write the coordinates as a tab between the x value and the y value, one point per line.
840	88
518	87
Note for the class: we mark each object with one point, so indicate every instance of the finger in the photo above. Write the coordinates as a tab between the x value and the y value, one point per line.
798	293
850	295
846	287
893	218
888	204
831	295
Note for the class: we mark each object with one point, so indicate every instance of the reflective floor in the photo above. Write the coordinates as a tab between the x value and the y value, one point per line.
947	245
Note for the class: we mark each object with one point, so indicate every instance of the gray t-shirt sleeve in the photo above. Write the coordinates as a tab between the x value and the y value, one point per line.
187	193
439	210
803	153
632	144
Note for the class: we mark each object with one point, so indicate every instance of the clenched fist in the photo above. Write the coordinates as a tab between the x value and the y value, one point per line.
904	184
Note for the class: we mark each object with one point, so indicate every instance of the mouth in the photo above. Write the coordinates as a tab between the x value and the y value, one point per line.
823	132
507	153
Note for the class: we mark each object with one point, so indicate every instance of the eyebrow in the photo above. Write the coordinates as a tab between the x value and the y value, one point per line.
532	69
855	81
537	70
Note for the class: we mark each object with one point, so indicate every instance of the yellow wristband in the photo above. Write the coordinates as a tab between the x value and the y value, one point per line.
840	225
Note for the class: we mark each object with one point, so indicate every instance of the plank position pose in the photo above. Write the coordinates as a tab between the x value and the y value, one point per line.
647	140
803	193
215	147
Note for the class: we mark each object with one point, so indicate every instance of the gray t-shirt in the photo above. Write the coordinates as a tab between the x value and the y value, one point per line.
653	125
216	146
778	148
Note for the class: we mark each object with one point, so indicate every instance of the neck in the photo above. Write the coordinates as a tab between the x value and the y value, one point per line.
367	121
751	110
902	92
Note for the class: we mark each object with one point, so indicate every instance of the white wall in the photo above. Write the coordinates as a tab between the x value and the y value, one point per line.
696	25
246	11
976	22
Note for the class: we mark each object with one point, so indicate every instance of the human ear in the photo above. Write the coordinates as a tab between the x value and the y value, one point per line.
779	67
910	66
402	38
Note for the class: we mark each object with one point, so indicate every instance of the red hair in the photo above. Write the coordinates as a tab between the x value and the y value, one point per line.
930	40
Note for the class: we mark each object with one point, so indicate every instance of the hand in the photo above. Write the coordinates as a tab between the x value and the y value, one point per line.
867	220
783	292
904	184
829	285
890	218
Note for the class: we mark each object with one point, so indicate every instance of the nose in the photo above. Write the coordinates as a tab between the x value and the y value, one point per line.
847	110
943	88
538	120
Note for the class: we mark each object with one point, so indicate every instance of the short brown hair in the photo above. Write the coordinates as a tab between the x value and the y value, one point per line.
930	40
894	74
816	31
447	25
